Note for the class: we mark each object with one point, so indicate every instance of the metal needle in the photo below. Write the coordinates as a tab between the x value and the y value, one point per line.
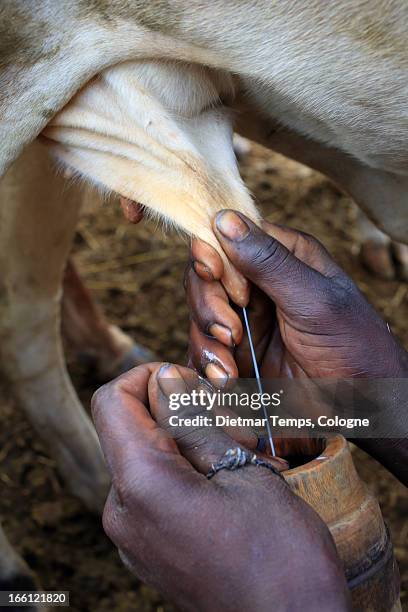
258	379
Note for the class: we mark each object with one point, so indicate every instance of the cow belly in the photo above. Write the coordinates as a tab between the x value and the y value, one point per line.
373	132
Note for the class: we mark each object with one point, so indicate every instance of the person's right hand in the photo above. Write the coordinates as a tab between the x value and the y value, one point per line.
307	316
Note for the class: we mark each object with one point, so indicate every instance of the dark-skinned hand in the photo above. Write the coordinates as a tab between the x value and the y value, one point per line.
307	316
240	541
308	319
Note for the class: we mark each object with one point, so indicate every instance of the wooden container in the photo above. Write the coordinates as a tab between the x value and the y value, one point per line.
330	484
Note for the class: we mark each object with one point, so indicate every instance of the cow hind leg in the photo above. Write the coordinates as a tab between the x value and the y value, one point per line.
90	337
380	193
38	214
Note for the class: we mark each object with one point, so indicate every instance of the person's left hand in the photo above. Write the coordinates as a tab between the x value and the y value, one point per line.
240	541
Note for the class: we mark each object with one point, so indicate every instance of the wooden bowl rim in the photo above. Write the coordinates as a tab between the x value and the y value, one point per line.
334	447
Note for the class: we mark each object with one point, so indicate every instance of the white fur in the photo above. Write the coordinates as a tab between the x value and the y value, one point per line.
336	71
157	133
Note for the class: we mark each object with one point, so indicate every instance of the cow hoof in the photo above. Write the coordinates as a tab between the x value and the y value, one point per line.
136	356
387	260
377	258
104	367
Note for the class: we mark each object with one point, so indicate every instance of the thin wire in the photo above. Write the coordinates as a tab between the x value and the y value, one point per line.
258	380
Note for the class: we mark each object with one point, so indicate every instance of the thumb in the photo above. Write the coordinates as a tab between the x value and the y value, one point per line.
288	281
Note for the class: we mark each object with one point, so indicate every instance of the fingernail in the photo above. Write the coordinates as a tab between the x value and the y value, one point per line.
203	271
222	333
170	379
281	464
231	225
216	374
132	210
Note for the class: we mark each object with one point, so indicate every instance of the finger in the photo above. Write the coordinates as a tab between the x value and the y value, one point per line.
226	362
211	310
176	379
199	439
214	315
206	261
133	211
304	246
235	284
211	358
209	265
262	320
289	282
136	449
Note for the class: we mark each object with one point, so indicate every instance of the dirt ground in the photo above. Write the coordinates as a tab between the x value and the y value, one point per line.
136	274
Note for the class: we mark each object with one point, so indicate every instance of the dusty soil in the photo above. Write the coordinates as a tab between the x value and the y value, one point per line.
136	274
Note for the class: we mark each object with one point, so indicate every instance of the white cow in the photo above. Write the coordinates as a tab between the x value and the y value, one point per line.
140	97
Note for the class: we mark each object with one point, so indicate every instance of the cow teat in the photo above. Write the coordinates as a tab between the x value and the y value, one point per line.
157	133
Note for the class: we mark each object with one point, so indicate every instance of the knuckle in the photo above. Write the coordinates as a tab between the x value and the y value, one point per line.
102	397
266	256
307	245
342	296
98	399
124	489
107	522
191	440
111	517
309	239
110	524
